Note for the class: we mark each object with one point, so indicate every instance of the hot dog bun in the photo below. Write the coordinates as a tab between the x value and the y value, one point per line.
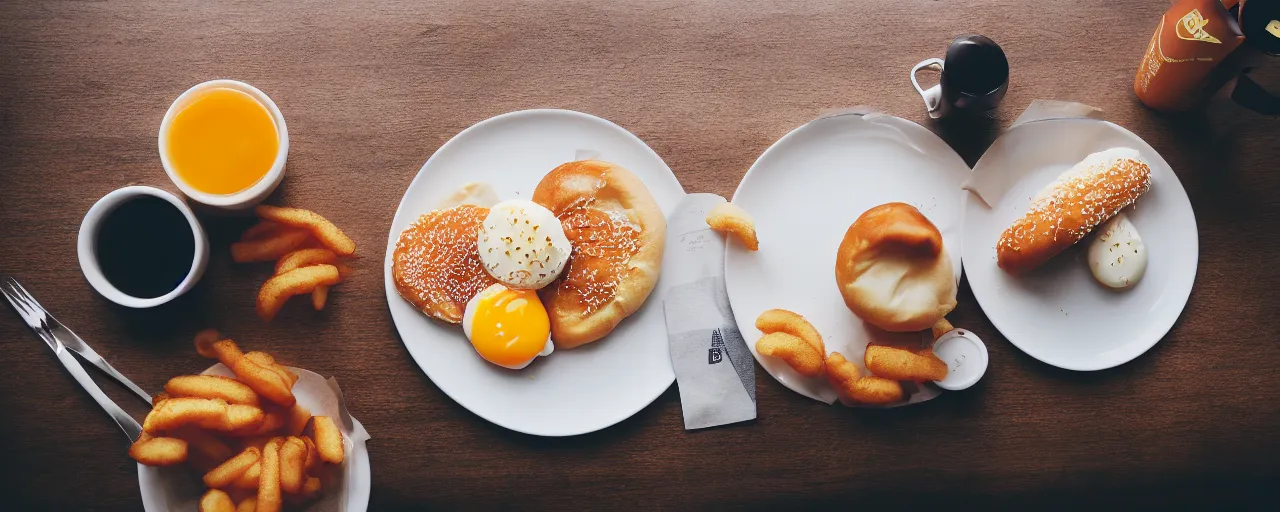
1066	210
617	232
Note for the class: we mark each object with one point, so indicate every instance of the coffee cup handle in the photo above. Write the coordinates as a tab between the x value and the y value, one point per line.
932	97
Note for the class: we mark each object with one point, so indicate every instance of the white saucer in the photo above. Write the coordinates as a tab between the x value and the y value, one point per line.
1058	313
572	391
804	192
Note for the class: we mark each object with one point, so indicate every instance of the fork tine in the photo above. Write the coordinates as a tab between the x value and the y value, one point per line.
24	300
10	294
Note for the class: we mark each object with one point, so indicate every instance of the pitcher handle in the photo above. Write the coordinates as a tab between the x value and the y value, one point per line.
932	97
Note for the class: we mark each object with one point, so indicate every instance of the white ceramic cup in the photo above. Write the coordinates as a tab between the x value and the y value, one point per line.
86	246
257	192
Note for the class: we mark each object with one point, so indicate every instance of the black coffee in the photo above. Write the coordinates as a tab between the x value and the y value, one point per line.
145	247
975	66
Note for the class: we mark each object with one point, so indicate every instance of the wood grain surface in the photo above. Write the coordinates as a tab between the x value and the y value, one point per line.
371	89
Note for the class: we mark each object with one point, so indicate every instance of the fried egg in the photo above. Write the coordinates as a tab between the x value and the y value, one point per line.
508	327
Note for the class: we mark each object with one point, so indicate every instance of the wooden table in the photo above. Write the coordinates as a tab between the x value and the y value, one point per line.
370	90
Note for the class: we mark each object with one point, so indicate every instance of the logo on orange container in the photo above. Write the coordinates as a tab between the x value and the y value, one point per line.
1191	28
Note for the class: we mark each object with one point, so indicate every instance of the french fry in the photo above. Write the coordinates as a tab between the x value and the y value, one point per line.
176	412
249	479
309	491
311	488
270	248
850	384
216	501
262	229
326	232
269	497
319	296
313	456
280	288
249	504
226	352
940	328
204	342
298	418
328	439
293	462
241	417
228	472
899	364
732	219
264	380
158	451
274	420
305	258
211	386
270	363
781	320
213	414
158	398
798	354
205	444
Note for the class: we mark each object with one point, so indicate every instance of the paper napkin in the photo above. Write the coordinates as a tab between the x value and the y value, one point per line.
715	371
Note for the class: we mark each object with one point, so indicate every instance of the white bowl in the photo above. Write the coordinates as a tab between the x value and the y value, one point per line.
88	251
248	197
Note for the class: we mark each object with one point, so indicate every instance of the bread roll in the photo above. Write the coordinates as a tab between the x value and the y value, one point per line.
617	232
893	270
1066	210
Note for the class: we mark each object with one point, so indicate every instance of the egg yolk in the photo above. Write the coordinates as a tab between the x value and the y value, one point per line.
510	327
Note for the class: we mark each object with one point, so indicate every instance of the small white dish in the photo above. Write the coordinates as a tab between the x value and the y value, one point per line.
1058	313
804	192
180	488
966	358
257	192
573	391
87	251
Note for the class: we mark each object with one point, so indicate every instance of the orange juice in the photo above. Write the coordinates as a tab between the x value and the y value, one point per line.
223	142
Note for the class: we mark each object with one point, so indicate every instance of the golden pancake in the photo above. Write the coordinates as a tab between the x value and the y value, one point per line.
436	266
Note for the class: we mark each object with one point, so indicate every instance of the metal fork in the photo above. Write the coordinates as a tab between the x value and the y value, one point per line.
35	317
72	341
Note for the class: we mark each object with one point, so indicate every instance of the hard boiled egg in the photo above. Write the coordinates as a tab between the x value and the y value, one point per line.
507	327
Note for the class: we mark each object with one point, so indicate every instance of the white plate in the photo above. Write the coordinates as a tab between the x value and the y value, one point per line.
572	391
804	192
179	488
1058	313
